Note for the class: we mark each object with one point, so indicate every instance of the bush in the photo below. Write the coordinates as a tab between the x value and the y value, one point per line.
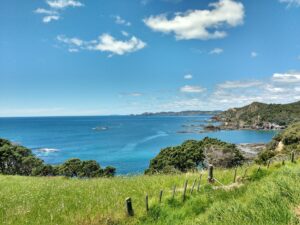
192	154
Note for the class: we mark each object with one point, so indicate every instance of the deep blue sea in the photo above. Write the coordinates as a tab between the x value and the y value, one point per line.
125	142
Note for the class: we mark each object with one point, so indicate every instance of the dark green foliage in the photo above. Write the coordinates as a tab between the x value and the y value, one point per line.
88	168
264	156
257	114
109	171
192	154
18	160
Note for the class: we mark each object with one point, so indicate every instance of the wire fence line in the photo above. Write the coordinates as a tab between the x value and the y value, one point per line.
211	179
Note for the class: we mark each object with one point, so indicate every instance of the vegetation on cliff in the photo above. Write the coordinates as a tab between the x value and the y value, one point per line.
283	144
192	154
260	116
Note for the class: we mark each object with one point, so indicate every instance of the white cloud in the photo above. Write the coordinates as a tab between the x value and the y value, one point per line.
49	14
47	19
108	43
45	11
61	4
192	89
216	51
124	33
121	21
274	89
56	6
253	54
293	77
200	24
188	76
105	43
70	41
239	84
291	2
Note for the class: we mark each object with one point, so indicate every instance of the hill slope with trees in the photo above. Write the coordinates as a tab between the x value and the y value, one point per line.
260	116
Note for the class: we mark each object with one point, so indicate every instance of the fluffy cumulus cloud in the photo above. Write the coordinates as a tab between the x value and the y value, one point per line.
200	24
192	89
291	2
55	8
105	43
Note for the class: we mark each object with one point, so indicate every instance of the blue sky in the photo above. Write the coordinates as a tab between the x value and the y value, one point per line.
79	57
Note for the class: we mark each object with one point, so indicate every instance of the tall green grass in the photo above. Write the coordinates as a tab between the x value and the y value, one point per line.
265	197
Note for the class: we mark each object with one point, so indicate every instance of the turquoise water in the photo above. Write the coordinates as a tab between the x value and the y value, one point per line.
125	142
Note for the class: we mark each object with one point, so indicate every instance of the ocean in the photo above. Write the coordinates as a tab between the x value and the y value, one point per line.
125	142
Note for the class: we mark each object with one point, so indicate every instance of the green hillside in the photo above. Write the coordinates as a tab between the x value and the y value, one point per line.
283	144
267	196
260	116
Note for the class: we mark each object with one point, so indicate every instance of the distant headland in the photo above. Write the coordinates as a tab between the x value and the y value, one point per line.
181	113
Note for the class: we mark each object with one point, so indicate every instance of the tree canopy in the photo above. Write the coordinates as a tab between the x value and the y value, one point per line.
192	154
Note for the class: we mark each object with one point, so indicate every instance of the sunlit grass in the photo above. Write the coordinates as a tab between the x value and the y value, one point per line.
261	196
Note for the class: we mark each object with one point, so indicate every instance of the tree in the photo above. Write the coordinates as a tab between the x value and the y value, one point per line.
90	168
71	168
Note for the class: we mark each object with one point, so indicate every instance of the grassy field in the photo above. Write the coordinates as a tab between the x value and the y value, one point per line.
270	196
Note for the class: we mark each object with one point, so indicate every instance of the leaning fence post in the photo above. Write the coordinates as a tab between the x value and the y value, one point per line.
210	173
269	162
199	183
245	173
258	170
129	207
147	203
234	177
174	190
160	195
193	186
184	190
293	157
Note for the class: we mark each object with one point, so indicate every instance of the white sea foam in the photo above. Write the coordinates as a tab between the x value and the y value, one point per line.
48	150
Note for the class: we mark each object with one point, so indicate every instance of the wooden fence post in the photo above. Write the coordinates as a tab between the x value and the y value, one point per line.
193	186
258	170
160	195
147	203
269	162
210	173
174	190
184	190
199	183
293	157
235	172
129	208
245	173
